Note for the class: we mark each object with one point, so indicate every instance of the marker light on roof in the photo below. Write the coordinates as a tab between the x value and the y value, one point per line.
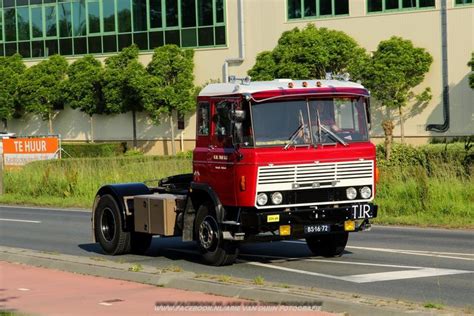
305	84
290	85
318	84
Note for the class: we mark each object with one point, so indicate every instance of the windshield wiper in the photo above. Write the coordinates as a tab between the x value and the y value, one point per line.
293	136
332	134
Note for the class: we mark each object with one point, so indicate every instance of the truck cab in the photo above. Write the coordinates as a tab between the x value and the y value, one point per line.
274	160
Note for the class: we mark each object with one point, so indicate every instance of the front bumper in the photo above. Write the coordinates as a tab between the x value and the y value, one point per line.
264	225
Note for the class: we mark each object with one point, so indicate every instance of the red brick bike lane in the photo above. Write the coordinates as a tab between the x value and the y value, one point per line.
40	291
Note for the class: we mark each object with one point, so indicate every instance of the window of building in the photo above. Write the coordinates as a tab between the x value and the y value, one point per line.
124	16
463	2
37	22
93	16
390	5
51	21
23	23
38	28
65	20
298	9
79	18
108	16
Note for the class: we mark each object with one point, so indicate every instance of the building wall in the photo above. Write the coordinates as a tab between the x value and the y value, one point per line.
265	20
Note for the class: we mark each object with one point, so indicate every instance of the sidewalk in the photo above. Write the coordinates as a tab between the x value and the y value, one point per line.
42	291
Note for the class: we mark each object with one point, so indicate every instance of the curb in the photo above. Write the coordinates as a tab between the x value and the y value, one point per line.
330	301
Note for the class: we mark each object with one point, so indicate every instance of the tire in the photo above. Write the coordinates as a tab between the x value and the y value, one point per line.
330	245
108	227
214	250
139	243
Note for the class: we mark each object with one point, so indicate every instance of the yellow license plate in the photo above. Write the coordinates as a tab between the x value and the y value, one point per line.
273	218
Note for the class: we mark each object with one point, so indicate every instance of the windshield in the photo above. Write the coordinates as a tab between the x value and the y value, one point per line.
310	121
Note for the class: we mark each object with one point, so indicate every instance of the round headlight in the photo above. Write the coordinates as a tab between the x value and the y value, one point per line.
277	198
365	192
351	193
262	199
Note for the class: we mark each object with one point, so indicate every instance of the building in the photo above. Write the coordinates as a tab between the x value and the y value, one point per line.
227	35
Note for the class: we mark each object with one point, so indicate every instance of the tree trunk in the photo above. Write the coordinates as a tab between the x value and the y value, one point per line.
388	127
92	129
134	118
5	125
50	121
402	130
173	147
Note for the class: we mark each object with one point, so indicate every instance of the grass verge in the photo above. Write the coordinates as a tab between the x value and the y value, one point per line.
441	195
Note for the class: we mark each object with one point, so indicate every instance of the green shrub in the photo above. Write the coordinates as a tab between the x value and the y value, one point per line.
81	150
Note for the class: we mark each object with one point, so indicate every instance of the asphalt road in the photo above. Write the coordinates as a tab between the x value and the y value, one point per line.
422	265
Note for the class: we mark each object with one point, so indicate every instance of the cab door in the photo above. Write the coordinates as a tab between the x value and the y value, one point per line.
222	154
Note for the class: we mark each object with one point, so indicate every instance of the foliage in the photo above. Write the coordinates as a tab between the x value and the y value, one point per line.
11	69
471	76
393	71
81	150
395	68
40	87
83	88
309	53
125	81
172	79
171	88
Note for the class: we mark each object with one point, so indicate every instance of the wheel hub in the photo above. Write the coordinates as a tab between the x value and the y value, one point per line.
107	224
208	233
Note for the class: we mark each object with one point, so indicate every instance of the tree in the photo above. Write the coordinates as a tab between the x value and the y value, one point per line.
41	86
471	76
125	85
171	84
391	74
83	88
308	54
11	69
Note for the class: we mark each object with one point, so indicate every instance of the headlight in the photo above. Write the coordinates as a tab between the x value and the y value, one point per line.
365	192
277	198
351	193
262	199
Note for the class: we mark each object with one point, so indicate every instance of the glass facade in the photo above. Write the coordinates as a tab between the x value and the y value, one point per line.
299	9
392	5
39	28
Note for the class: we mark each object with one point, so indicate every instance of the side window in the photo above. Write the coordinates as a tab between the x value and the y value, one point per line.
222	118
203	119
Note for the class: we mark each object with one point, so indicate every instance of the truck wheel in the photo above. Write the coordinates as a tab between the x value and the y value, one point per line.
214	249
140	242
108	227
331	245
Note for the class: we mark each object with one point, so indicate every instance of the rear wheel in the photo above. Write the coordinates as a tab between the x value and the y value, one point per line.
108	227
330	245
214	249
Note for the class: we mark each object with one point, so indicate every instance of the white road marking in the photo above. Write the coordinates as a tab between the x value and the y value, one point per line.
371	277
401	275
333	261
19	220
6	207
23	289
405	251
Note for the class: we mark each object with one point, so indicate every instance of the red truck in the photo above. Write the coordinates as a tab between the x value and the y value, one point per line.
274	160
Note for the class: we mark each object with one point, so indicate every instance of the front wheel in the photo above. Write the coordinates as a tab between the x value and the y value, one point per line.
108	227
330	245
214	249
